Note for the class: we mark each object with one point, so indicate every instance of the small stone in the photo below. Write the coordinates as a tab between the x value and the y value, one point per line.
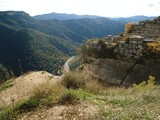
140	47
134	42
130	51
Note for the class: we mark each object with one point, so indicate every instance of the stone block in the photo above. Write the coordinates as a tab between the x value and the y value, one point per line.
130	51
140	47
122	42
136	57
134	42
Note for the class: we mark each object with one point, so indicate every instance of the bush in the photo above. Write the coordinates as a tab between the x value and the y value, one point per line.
8	114
6	85
46	90
146	84
94	87
128	28
74	80
29	104
69	97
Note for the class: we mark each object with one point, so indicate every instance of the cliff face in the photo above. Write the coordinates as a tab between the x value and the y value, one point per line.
120	72
125	59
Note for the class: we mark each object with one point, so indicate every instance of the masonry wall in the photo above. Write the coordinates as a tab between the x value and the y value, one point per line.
150	29
130	50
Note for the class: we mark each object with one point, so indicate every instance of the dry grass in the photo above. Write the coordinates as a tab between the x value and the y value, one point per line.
81	111
131	104
155	46
23	85
94	87
47	89
140	102
74	80
128	27
137	102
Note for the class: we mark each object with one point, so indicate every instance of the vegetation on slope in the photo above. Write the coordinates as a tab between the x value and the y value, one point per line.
88	28
137	102
28	44
27	50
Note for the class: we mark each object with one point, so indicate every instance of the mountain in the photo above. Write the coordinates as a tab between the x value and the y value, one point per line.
114	77
25	49
82	29
133	19
62	16
28	44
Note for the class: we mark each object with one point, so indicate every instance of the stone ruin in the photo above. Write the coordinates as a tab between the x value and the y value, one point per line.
131	57
130	49
126	47
147	29
134	45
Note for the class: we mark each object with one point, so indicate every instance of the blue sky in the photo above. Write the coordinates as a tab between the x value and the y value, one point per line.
107	8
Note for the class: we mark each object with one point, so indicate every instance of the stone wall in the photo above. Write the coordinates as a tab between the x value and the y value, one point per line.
128	48
132	49
147	29
132	46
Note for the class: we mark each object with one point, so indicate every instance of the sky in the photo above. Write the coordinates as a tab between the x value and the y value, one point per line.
106	8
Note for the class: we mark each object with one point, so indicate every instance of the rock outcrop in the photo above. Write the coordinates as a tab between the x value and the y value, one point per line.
127	58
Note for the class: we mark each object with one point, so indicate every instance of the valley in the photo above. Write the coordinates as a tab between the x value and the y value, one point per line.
113	72
28	44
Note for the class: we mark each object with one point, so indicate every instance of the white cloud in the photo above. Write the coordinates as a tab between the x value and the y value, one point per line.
95	7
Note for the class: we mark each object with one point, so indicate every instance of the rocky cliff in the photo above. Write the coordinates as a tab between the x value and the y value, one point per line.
127	58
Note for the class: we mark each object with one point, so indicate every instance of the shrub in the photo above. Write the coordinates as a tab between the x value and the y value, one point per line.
28	104
69	98
74	80
6	85
146	84
155	46
94	87
47	89
128	27
8	114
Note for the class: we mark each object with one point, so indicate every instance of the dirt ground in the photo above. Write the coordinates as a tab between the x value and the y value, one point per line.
80	111
23	85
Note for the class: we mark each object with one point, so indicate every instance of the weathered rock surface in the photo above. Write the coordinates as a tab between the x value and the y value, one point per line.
141	72
120	72
127	58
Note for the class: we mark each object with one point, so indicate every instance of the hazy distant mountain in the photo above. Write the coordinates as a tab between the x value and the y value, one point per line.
62	16
133	18
28	44
81	29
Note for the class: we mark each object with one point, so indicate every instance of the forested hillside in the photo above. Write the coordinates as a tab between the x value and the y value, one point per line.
29	44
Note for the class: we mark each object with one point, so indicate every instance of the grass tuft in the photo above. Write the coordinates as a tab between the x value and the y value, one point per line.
46	90
69	98
74	80
6	85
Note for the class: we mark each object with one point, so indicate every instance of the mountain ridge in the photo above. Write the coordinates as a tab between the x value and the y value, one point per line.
65	16
62	16
28	44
